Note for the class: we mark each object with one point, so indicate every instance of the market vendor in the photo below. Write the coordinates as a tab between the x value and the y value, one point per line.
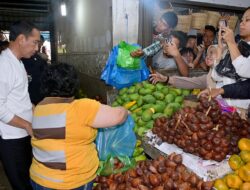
65	156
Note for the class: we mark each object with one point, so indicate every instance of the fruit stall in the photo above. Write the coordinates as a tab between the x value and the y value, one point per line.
183	142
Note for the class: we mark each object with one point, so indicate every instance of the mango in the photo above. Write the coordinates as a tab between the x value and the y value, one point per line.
174	105
141	131
147	115
178	91
165	90
123	91
139	101
156	115
160	102
119	100
149	86
139	112
141	123
159	95
138	151
140	158
134	96
135	129
147	106
169	98
245	186
138	86
149	99
134	107
150	124
185	92
244	144
168	111
144	91
178	99
159	108
159	86
131	90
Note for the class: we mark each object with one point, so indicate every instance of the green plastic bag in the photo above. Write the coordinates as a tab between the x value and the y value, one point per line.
124	59
108	167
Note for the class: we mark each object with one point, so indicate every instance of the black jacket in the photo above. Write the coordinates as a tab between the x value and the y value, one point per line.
238	90
34	67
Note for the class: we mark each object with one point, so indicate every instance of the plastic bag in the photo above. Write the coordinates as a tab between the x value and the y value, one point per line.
119	77
124	60
114	165
116	141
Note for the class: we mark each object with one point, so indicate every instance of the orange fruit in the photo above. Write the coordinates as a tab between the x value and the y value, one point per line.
219	184
244	173
244	144
235	162
245	155
233	181
245	186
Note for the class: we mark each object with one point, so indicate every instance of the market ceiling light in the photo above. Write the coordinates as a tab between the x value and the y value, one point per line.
63	9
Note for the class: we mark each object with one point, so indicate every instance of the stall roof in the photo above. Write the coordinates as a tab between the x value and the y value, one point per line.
36	11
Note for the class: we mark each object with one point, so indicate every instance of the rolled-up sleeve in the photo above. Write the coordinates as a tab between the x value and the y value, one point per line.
5	114
242	66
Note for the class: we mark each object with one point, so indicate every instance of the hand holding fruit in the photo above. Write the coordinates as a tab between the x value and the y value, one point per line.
137	53
157	77
213	92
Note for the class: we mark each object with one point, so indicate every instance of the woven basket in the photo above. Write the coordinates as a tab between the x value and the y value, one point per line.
213	18
232	22
184	23
199	20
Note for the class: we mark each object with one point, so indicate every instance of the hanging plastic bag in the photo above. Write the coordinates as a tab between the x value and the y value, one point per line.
114	165
116	141
124	60
119	77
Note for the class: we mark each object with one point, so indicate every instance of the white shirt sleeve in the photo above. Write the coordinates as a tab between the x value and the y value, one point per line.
242	66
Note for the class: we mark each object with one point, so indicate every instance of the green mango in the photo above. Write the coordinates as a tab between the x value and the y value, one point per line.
165	90
168	111
119	100
150	124
138	151
134	116
159	86
139	113
149	86
178	91
174	105
160	102
136	127
123	91
139	101
149	99
156	115
144	82
144	91
131	90
169	98
147	115
133	107
159	95
115	104
141	131
146	106
140	158
178	99
134	96
140	122
185	92
159	108
173	92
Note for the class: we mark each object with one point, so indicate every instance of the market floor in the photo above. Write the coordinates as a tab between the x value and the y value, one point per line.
4	184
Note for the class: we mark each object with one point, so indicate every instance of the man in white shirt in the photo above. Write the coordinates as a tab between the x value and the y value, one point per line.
15	104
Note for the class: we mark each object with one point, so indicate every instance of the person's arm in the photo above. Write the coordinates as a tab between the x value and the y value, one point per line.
189	82
148	51
238	90
172	50
109	116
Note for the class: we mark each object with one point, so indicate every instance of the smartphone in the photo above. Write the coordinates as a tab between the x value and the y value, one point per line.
169	39
223	23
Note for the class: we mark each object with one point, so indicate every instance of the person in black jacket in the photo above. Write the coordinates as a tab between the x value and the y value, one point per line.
34	67
238	90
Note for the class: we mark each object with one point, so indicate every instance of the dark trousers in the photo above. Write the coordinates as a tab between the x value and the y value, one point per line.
16	159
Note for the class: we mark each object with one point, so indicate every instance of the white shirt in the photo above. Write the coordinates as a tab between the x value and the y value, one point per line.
14	96
242	67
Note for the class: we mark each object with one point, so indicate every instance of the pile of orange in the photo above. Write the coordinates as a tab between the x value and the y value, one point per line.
240	164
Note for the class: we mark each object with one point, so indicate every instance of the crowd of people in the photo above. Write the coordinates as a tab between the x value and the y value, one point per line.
47	137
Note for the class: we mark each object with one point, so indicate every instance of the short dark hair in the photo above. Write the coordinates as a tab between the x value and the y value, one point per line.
59	80
211	28
171	18
181	36
191	36
246	9
21	27
41	38
187	50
